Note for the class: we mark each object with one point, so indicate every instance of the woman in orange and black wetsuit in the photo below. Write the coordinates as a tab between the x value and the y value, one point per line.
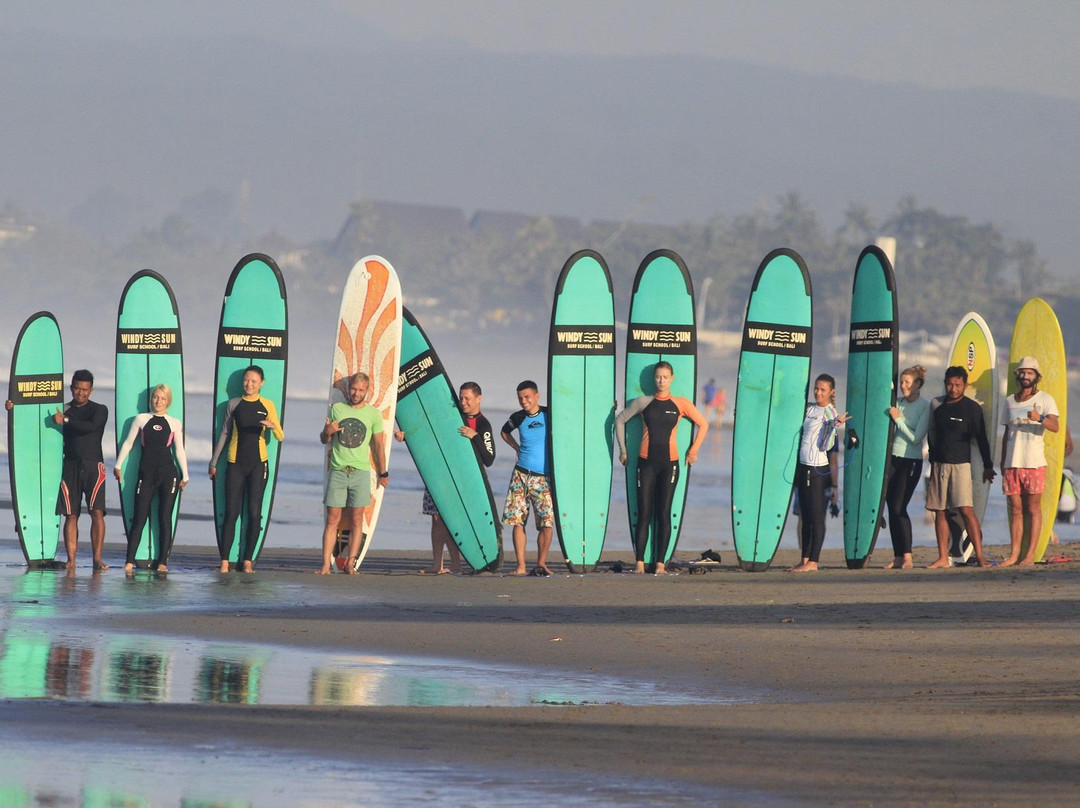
658	463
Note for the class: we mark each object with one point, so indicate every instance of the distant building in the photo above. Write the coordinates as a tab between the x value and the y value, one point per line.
372	223
507	225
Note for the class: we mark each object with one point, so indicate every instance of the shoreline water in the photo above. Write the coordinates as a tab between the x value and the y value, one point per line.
955	687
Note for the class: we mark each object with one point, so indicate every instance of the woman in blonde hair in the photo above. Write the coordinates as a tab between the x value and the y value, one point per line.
162	439
912	418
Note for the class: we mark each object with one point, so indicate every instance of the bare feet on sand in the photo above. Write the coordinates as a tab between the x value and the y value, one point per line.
224	566
639	568
940	564
900	563
434	571
805	566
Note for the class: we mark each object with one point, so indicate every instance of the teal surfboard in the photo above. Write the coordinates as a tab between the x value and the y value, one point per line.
581	406
149	352
770	404
661	327
253	331
871	391
429	413
35	441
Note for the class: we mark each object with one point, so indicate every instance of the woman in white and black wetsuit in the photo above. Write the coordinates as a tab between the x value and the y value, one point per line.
812	474
162	439
244	432
658	463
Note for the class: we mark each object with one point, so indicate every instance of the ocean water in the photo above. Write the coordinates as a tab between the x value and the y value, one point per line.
298	514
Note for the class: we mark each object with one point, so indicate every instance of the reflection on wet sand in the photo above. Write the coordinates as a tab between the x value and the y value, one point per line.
228	681
335	686
125	774
137	676
42	655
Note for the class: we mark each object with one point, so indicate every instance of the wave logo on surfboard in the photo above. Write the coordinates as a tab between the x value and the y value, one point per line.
130	340
767	338
38	389
264	343
424	367
871	337
592	340
668	340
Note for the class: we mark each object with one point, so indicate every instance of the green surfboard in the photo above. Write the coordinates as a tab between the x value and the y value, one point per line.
661	327
871	391
149	352
35	441
581	406
429	413
253	331
770	404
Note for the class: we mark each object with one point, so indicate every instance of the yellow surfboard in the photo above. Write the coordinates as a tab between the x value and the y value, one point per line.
973	349
1037	333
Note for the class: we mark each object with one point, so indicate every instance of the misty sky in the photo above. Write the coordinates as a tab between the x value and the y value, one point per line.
1026	46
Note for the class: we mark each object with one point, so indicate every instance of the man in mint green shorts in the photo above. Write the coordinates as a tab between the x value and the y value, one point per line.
352	427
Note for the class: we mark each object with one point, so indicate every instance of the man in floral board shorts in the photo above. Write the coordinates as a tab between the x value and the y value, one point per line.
1027	415
529	485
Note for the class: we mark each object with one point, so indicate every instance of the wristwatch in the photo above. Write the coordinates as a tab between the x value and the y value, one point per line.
384	475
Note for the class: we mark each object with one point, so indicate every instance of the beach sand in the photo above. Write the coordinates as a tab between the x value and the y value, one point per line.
873	687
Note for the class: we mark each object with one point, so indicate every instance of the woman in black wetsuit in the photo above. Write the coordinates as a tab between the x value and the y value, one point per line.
658	463
162	439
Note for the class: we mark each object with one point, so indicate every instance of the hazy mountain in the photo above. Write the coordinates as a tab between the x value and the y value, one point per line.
112	135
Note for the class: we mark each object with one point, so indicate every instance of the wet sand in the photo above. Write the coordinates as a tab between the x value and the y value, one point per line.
875	687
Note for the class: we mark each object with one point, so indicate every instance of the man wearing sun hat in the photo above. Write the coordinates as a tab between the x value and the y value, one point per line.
1026	416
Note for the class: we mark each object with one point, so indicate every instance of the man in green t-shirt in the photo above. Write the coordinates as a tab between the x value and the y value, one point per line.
352	429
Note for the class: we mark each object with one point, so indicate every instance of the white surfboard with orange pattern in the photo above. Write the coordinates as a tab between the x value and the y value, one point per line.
368	340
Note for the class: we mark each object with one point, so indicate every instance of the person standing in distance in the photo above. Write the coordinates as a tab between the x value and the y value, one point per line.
244	430
529	484
1029	413
162	439
658	461
911	414
955	421
477	429
815	469
84	474
354	430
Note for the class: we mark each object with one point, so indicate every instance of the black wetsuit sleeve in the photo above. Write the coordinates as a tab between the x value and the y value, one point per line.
484	441
99	416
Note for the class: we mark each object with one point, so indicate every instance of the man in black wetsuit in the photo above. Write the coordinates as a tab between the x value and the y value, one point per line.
84	467
955	421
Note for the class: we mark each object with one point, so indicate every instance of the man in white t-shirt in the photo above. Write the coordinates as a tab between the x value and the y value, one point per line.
1026	415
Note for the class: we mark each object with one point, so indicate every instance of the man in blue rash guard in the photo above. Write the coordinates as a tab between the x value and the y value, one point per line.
529	485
